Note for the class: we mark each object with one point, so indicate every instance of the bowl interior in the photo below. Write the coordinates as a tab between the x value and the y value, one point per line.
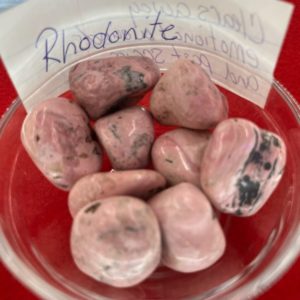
36	223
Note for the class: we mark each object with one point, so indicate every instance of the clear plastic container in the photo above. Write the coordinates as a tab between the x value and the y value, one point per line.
35	222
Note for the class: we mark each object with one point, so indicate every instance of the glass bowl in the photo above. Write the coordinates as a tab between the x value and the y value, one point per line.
35	223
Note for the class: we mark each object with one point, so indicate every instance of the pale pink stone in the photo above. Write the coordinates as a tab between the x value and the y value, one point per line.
116	241
241	166
138	183
57	137
193	239
100	84
177	155
127	137
185	96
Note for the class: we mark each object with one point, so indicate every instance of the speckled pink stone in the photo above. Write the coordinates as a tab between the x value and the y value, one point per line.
185	96
127	137
116	241
241	167
57	137
100	84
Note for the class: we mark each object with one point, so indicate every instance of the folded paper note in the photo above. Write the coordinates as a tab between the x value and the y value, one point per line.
236	42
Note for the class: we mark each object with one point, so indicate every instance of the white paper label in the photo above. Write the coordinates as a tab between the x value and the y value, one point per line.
236	42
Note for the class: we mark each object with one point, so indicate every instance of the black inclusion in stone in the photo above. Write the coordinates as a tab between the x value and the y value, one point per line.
134	81
267	166
238	212
92	208
266	142
248	191
253	154
275	141
107	267
256	157
131	229
114	130
140	141
272	172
